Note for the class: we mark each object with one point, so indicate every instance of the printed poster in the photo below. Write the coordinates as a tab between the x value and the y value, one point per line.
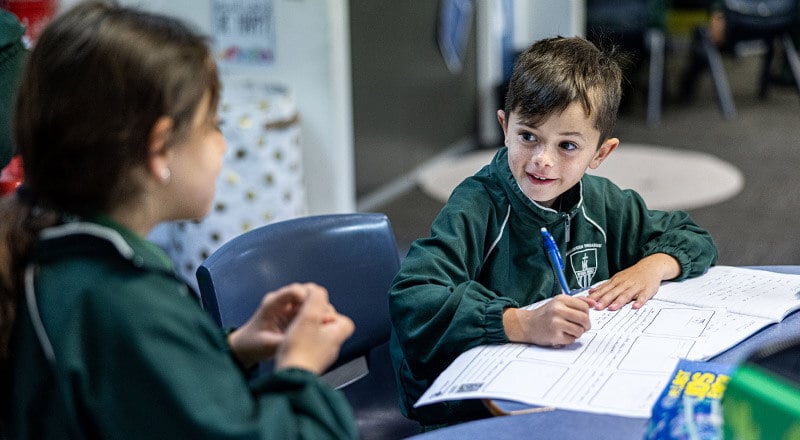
244	32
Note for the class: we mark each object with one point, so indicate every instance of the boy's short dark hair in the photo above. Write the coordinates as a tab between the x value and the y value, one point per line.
555	72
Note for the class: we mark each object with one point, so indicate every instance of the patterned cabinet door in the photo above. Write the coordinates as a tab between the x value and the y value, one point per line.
262	176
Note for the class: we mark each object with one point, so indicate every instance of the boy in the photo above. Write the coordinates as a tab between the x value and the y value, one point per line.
464	285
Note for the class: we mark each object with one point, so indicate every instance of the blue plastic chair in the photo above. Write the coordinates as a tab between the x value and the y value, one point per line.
355	257
768	21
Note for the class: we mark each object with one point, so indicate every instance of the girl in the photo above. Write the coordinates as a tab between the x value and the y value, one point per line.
116	124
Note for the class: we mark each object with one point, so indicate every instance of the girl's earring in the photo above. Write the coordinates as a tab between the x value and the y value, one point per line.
165	175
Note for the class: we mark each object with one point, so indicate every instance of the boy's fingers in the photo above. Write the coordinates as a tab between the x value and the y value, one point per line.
588	300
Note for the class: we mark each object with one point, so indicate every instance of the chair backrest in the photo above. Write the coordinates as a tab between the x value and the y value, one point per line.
354	256
745	19
607	18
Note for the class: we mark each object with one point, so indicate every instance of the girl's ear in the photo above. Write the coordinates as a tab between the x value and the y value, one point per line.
602	153
159	156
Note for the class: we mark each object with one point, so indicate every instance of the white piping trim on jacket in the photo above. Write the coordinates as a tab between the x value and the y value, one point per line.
499	236
90	229
605	238
543	208
36	319
57	232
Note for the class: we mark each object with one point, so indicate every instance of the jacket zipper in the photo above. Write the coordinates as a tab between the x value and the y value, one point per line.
567	228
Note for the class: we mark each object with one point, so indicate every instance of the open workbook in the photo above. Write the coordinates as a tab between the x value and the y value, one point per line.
623	363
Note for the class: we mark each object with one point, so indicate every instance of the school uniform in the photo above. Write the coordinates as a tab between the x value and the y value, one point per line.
485	254
135	356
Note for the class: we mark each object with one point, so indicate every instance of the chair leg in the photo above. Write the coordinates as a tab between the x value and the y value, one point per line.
697	63
766	63
656	44
792	59
718	75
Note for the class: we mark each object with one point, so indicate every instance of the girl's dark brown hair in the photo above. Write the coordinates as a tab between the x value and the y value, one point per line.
94	85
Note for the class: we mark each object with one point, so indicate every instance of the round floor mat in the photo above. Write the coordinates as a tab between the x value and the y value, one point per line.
667	178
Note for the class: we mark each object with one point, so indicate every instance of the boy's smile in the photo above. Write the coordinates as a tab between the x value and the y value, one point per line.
537	180
548	159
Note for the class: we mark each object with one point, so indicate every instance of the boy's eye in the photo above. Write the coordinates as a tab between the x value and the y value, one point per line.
528	137
568	146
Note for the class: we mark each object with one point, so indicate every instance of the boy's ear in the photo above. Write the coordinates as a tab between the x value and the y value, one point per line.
159	156
602	153
501	118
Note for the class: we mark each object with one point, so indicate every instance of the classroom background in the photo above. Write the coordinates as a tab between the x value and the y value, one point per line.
382	106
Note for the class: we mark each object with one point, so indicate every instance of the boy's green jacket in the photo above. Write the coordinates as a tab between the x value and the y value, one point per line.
485	254
136	357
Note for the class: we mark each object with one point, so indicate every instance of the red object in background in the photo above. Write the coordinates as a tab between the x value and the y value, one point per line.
11	177
33	14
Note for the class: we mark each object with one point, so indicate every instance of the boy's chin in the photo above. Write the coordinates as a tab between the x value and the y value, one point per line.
548	203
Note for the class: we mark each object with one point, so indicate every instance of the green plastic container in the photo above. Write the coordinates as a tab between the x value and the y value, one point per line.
762	400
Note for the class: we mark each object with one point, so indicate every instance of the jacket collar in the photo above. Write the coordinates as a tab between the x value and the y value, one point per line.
100	236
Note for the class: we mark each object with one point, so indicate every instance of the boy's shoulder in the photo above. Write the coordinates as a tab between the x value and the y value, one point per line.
594	181
481	189
595	186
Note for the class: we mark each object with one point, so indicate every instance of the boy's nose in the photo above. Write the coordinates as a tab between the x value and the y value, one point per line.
542	156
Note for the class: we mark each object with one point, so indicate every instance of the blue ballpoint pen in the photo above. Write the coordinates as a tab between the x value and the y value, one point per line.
555	259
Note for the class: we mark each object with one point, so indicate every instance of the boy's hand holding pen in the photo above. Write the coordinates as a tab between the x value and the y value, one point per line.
557	322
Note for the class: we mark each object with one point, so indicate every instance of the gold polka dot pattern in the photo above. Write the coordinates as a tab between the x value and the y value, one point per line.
261	181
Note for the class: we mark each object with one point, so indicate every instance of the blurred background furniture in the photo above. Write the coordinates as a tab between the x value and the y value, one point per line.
766	22
639	28
355	257
261	180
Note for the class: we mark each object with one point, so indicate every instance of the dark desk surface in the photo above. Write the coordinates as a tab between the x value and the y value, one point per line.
563	424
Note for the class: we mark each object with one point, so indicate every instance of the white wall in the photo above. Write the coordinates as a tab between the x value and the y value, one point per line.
532	21
489	29
537	19
312	58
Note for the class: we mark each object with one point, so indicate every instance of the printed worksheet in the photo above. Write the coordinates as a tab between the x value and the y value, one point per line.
739	290
623	363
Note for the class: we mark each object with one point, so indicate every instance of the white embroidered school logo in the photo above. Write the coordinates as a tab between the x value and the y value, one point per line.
584	266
